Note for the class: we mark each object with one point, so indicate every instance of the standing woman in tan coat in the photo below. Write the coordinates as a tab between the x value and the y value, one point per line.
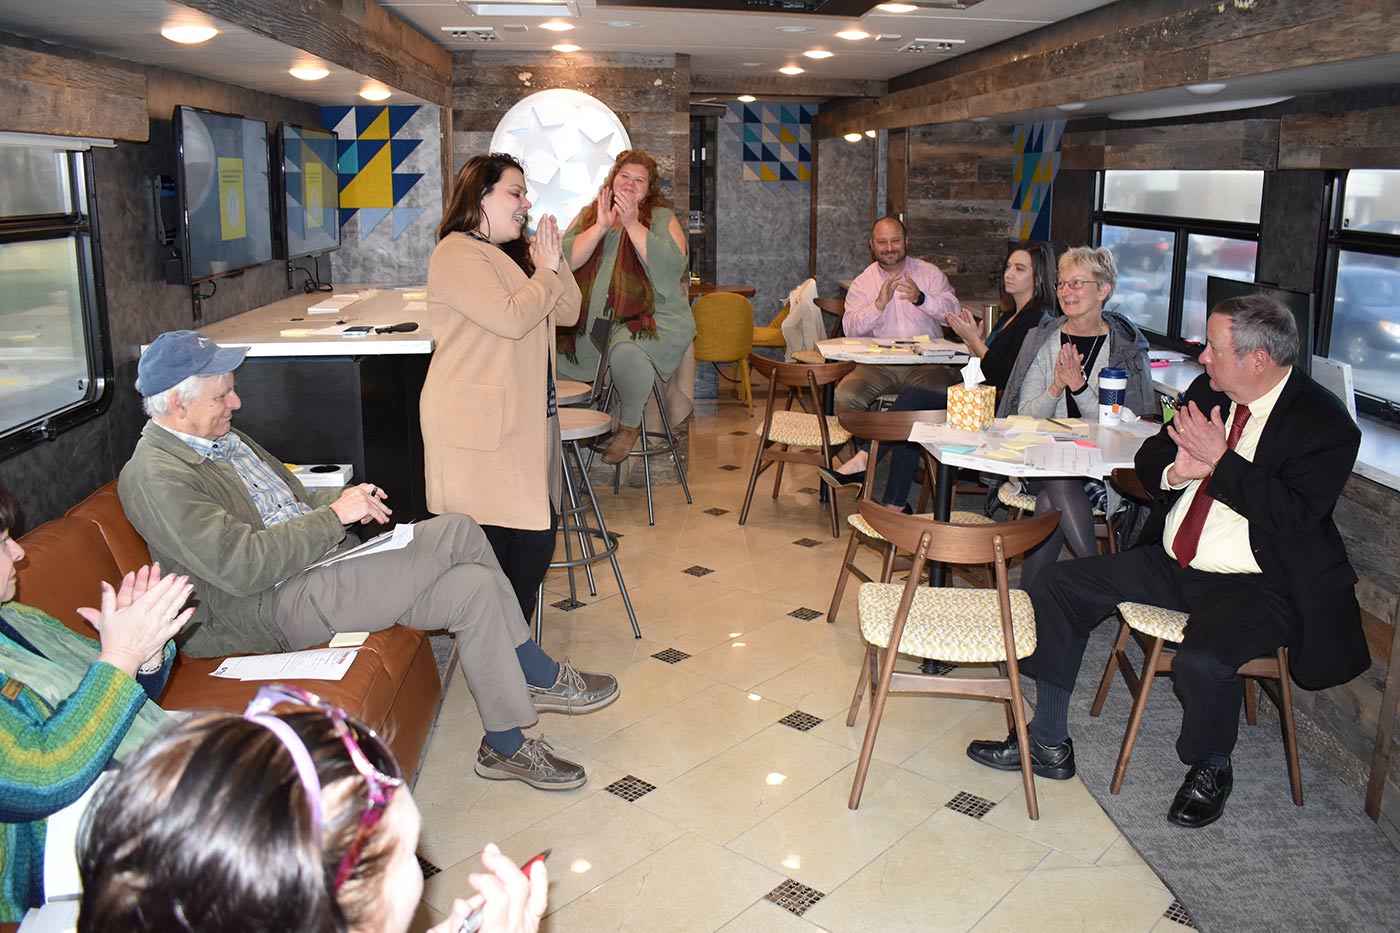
490	426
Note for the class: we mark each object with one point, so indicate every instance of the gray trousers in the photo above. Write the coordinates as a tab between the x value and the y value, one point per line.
446	578
867	382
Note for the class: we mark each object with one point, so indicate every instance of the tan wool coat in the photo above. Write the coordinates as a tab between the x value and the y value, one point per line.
490	451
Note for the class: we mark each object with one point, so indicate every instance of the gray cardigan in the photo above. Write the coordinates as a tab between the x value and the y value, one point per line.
1027	390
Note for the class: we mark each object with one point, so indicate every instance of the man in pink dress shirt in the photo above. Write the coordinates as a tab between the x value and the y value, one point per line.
896	296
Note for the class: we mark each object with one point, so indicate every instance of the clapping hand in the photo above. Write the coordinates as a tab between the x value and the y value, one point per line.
607	213
907	290
1200	442
885	294
137	619
965	326
625	210
547	246
1069	370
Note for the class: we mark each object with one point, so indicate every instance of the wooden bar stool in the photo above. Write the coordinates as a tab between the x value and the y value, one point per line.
575	426
1159	631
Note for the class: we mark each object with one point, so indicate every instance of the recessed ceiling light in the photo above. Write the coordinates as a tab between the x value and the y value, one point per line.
189	34
980	119
310	72
556	26
852	34
853	137
619	24
793	29
751	64
375	92
565	47
896	7
1072	106
817	53
791	70
870	133
746	98
1206	89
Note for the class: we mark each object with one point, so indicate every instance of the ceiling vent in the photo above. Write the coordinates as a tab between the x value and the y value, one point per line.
922	46
472	33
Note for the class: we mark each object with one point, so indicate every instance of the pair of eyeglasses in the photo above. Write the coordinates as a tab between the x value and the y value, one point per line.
381	779
1074	285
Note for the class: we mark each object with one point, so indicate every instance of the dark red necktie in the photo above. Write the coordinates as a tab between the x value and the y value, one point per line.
1188	535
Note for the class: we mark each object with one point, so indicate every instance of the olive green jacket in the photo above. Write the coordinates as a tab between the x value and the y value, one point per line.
198	519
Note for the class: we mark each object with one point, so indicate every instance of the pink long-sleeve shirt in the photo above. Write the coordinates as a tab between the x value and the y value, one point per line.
900	318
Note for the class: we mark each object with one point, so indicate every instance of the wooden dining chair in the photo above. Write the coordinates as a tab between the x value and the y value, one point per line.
956	624
881	427
801	436
834	308
1160	631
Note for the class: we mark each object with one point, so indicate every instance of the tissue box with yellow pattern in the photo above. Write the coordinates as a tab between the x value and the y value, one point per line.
972	409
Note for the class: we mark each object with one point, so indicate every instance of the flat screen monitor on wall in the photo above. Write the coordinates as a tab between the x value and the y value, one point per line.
308	191
1300	303
225	206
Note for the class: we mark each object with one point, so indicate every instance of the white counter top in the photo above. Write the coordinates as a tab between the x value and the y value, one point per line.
286	328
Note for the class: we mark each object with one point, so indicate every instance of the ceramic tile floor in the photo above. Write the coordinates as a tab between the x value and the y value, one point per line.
744	806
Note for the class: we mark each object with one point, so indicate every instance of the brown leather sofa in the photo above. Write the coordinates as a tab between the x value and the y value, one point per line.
393	686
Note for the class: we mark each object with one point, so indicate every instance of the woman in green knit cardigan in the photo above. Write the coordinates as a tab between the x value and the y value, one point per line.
70	705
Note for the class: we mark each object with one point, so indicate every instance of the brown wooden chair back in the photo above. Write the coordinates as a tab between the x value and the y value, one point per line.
888	426
1128	482
790	375
959	544
832	307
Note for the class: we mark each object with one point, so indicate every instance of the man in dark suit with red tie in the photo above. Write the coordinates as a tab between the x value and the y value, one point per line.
1241	538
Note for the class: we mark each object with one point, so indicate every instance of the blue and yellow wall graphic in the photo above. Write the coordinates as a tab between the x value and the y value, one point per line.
774	141
373	146
1032	180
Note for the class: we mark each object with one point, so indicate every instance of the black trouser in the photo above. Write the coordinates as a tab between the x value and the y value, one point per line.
1235	617
524	557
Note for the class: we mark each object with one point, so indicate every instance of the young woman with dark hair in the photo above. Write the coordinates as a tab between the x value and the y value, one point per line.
490	429
296	820
629	252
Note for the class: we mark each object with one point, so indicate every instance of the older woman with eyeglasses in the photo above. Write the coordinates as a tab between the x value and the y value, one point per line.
1057	376
274	820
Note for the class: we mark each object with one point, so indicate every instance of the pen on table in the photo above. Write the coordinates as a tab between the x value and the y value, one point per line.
474	919
1069	427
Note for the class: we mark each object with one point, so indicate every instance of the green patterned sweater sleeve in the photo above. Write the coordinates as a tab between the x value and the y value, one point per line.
666	261
49	756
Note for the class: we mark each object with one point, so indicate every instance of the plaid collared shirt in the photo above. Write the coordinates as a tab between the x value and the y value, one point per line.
271	495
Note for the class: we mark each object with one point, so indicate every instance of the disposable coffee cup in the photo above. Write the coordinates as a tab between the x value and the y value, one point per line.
1113	392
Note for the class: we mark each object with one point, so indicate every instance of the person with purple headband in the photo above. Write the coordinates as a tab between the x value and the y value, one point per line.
279	819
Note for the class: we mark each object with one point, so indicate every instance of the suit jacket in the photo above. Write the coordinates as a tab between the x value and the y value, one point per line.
1287	493
490	452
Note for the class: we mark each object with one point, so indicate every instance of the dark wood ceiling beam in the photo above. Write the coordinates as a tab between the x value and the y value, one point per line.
1211	41
356	34
763	85
66	92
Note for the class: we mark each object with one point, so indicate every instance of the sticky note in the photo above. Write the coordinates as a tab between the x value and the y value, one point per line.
957	448
1005	455
922	338
1085	443
296	332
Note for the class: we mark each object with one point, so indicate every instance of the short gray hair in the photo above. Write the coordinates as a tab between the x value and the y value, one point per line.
190	389
1100	262
1258	322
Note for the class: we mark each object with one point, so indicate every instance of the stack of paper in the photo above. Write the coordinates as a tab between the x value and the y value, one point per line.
314	664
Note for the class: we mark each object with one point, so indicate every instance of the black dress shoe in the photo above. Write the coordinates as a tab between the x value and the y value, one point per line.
837	480
1201	800
1055	762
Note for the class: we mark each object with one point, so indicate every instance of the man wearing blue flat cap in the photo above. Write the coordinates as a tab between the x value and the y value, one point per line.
214	505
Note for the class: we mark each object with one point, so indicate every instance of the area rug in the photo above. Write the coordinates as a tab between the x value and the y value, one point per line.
1267	865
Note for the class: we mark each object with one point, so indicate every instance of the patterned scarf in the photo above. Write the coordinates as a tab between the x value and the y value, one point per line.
60	666
631	300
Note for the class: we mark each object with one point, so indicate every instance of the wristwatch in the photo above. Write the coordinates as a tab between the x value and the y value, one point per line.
920	300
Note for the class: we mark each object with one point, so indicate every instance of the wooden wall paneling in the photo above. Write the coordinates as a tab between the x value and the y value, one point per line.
1125	48
1291	228
66	92
1367	138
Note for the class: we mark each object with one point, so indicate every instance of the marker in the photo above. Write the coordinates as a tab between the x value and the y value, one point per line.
473	922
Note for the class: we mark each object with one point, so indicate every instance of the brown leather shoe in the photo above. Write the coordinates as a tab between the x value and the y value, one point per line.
623	440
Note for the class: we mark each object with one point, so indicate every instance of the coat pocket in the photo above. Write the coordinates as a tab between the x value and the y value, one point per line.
472	414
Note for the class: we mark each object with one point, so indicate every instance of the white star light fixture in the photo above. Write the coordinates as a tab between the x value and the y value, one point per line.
567	141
